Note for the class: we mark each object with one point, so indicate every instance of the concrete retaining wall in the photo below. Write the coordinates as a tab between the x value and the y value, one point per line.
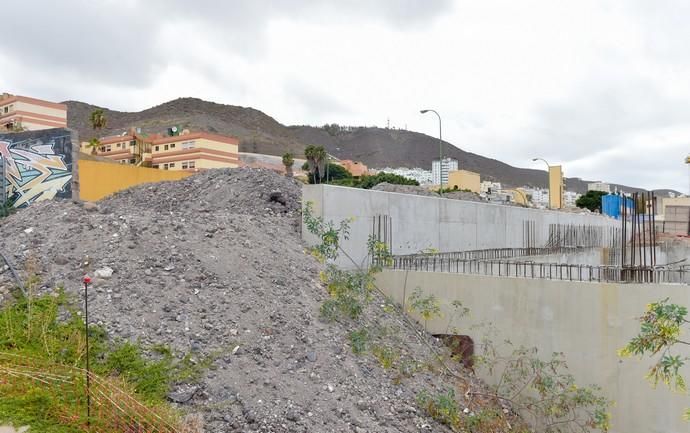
420	222
588	322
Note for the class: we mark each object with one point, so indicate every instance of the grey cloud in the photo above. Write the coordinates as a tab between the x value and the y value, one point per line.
602	118
117	43
255	14
664	28
315	103
91	40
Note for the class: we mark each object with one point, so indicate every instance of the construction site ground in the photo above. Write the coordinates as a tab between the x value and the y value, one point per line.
214	265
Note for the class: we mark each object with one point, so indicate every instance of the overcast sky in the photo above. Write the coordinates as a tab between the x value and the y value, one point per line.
602	87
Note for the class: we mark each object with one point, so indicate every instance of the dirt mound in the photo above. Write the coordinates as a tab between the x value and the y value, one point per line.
421	190
214	264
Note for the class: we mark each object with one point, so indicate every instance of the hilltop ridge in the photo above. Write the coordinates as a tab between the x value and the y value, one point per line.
260	133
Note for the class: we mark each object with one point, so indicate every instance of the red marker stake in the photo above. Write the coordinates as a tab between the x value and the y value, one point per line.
87	281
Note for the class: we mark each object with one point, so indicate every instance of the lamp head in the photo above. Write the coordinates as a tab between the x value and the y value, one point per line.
535	159
423	111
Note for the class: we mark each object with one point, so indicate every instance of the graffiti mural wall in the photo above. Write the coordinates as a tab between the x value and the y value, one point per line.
38	165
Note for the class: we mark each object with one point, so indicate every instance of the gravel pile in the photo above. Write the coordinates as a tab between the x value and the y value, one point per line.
214	264
422	190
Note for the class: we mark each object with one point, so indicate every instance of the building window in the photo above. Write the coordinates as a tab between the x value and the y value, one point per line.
165	147
108	148
184	165
155	166
132	143
118	144
172	146
102	149
132	161
172	164
165	166
156	149
7	109
192	164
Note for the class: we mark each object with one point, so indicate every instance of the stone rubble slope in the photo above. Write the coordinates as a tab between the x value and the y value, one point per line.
425	191
214	264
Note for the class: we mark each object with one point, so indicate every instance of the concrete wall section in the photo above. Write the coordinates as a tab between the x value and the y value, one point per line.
420	222
588	322
38	165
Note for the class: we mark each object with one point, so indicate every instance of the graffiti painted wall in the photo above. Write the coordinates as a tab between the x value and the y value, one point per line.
38	165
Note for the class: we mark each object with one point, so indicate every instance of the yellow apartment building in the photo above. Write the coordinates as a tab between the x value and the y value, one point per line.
30	114
190	151
556	187
464	180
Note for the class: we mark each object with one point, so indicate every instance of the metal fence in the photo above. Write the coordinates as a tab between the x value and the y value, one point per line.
113	409
530	269
495	253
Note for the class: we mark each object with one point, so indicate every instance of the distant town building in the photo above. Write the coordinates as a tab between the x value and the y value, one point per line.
441	168
599	186
184	151
556	187
664	202
464	180
21	113
487	187
517	195
570	197
539	197
419	174
357	168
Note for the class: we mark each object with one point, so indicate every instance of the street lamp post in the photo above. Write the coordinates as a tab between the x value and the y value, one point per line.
440	148
548	176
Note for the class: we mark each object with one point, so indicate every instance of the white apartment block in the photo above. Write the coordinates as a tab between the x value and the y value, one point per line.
486	186
570	197
440	169
599	186
419	174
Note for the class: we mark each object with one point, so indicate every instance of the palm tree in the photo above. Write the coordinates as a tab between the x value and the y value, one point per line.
97	119
316	159
94	144
321	161
288	162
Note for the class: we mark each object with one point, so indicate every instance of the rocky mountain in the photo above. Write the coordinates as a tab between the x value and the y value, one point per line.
258	132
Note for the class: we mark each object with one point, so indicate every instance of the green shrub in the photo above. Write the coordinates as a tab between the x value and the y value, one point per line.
359	340
441	407
387	356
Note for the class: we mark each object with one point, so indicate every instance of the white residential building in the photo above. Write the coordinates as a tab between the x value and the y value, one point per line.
540	197
419	174
570	197
486	186
599	186
440	169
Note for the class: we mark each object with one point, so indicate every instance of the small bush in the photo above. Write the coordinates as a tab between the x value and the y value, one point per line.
359	340
387	356
6	208
442	407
